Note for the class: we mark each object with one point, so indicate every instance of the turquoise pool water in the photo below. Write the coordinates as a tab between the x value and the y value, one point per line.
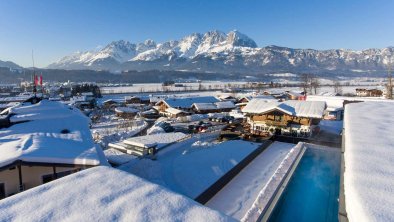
313	191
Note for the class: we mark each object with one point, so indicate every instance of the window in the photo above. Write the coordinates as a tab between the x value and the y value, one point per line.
2	191
278	118
49	177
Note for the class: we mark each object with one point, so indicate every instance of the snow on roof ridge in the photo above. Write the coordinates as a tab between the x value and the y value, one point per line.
312	109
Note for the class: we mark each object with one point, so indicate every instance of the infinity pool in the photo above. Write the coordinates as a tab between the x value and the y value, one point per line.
313	190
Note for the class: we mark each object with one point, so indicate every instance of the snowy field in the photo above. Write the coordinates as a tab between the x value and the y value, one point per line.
348	85
238	196
158	87
191	166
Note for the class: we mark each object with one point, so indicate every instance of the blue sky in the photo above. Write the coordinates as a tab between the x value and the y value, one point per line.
54	28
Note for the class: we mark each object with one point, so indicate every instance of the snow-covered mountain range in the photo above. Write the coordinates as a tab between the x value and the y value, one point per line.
10	65
216	51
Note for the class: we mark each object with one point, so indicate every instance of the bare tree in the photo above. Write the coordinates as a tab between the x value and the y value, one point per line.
337	87
389	85
305	82
315	84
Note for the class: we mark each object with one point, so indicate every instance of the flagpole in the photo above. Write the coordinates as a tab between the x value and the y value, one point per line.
34	75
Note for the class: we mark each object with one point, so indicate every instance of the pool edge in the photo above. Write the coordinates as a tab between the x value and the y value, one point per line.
266	213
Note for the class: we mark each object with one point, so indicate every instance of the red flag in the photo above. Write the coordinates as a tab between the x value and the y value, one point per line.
302	97
41	79
35	80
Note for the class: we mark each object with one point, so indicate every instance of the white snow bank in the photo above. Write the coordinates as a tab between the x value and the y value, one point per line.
53	133
103	194
237	197
269	189
369	158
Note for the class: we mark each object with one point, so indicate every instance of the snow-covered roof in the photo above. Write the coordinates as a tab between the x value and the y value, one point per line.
174	111
137	97
160	139
266	97
205	106
369	157
225	105
103	194
126	110
214	106
292	93
188	102
118	157
311	109
48	132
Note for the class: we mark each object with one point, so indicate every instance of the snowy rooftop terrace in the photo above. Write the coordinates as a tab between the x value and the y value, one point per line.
160	139
103	194
50	132
369	158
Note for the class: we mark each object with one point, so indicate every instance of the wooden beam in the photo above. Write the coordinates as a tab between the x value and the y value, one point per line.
54	172
20	176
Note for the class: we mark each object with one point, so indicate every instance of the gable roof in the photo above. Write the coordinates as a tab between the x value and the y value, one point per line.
214	106
174	111
311	109
104	194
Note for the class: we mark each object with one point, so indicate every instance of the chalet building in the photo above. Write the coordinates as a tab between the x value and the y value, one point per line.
183	104
43	142
137	100
217	107
126	112
291	95
83	101
290	118
243	101
174	113
110	104
227	98
332	113
369	92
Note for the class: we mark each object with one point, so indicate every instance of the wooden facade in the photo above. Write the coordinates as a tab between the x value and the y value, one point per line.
278	122
20	176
